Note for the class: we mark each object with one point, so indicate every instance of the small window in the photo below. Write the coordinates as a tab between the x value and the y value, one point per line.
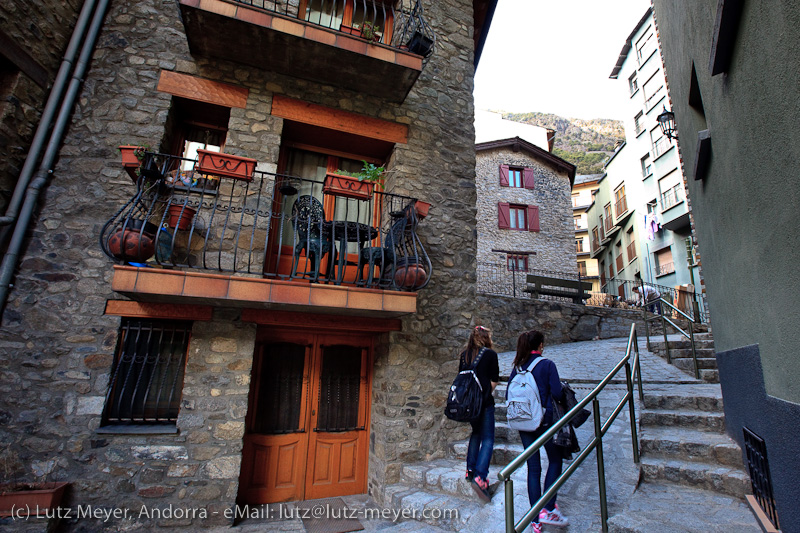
638	123
515	177
582	268
518	263
517	217
147	375
647	166
663	261
633	83
577	221
518	177
579	246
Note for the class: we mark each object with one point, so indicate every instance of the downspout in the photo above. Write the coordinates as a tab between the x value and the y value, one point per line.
40	179
53	101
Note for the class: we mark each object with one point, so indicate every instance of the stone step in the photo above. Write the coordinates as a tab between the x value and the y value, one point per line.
657	345
502	453
687	364
503	433
681	353
722	479
441	510
686	398
445	476
690	445
701	420
709	376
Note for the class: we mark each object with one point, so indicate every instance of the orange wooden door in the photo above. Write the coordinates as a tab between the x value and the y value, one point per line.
305	434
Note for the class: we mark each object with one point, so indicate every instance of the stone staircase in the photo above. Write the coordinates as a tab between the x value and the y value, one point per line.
681	354
440	484
683	441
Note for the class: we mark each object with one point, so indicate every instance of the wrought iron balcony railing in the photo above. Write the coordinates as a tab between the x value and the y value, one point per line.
272	225
399	24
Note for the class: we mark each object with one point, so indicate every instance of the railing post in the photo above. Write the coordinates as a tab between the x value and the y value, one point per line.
513	279
601	471
638	369
666	342
694	351
508	484
632	409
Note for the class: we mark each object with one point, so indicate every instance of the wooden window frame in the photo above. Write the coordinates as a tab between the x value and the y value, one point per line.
511	260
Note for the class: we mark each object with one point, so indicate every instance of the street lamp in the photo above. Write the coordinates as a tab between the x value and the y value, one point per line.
666	121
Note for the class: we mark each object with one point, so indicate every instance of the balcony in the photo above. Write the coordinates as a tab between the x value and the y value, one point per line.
620	207
631	251
664	269
375	47
674	212
193	234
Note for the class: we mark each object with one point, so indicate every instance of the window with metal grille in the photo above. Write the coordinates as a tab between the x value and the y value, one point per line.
340	382
760	479
147	376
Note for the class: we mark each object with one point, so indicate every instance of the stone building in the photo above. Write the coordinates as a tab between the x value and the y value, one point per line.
731	69
210	371
524	207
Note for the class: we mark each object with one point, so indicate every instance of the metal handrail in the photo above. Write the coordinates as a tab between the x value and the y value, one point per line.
664	322
596	443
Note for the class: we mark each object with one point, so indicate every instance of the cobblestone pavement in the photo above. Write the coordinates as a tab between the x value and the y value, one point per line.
652	508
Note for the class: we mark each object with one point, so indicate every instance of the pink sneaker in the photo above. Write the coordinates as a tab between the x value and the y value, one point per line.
536	528
554	517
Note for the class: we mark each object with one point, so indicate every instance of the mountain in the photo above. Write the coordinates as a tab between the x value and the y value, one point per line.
584	143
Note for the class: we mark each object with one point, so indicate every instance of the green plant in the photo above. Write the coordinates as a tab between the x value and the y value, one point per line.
369	31
371	172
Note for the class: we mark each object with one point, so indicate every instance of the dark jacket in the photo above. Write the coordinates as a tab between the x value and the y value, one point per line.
488	371
546	375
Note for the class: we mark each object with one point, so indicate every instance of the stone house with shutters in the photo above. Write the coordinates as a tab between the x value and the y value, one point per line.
524	207
196	331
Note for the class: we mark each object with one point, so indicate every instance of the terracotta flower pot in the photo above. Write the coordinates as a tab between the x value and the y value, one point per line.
348	187
132	244
31	496
421	208
226	165
409	274
180	216
130	161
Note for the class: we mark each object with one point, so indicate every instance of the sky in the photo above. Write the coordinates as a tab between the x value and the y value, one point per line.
554	56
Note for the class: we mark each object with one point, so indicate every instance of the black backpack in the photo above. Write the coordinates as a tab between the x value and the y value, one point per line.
465	397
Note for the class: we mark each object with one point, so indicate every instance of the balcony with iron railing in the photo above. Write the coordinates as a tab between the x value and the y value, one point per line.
375	47
671	197
197	233
631	251
660	147
620	207
664	269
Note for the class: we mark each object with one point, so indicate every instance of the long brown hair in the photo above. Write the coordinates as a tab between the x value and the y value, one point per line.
481	337
526	343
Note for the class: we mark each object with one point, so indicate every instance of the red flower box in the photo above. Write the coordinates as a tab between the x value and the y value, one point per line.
348	186
130	161
226	165
31	496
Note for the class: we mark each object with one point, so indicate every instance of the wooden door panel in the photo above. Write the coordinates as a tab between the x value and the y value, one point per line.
336	466
273	468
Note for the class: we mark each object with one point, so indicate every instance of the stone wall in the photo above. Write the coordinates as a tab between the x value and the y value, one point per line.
560	322
554	244
56	345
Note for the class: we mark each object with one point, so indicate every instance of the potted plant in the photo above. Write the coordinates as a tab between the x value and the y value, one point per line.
369	31
132	157
226	165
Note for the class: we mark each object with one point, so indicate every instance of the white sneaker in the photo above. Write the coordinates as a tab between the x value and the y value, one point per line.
554	517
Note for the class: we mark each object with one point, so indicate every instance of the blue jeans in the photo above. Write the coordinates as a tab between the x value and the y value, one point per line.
535	467
481	443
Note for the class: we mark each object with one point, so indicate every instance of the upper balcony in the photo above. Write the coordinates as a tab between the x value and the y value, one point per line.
375	47
674	212
215	231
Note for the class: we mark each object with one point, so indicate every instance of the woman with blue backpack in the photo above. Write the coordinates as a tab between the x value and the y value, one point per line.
529	363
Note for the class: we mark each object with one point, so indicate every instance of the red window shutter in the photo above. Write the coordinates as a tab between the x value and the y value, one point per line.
504	175
533	218
527	178
502	215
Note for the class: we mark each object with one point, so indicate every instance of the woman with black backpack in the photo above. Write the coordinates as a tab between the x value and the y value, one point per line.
481	442
529	347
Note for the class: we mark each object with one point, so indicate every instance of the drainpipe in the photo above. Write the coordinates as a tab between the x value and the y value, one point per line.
45	169
53	101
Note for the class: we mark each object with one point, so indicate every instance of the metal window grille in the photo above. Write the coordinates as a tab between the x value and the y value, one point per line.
147	375
760	479
339	389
